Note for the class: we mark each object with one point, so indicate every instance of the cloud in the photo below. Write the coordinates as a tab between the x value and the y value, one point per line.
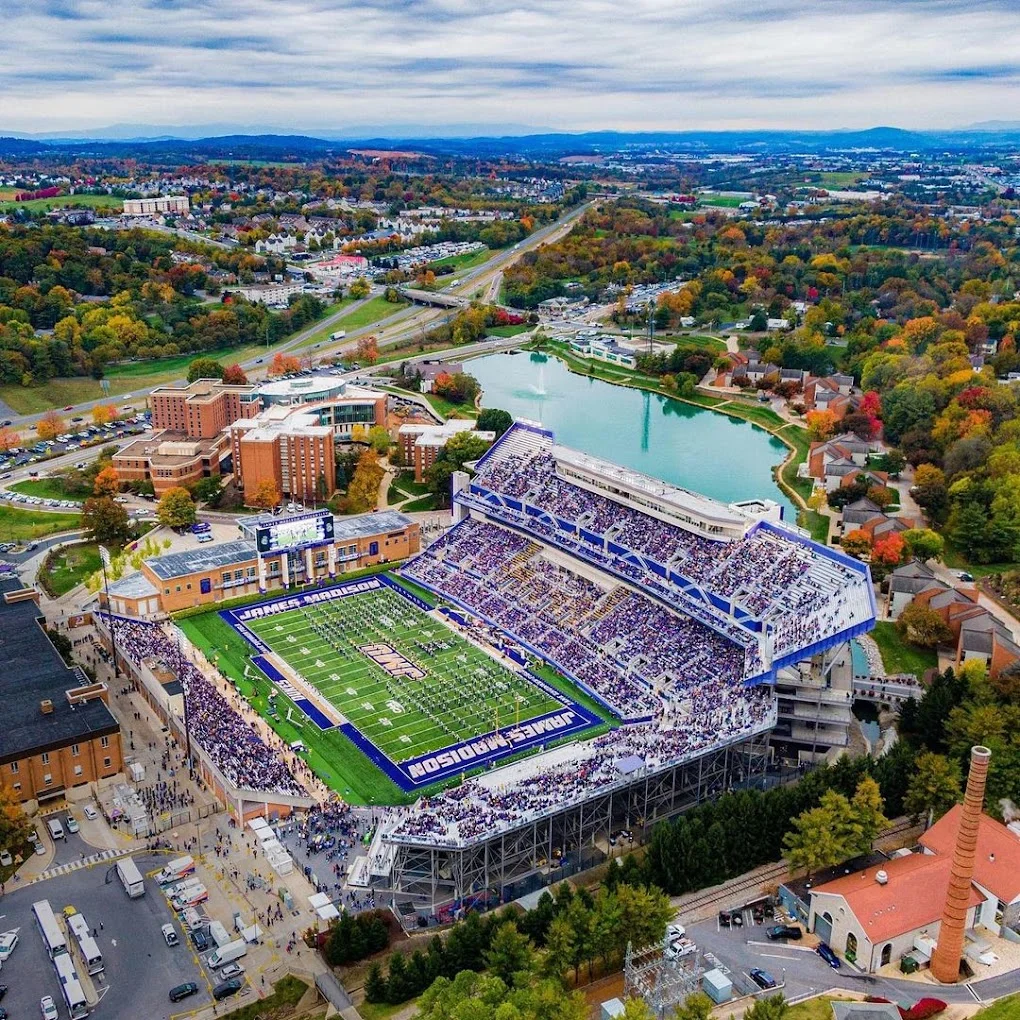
568	64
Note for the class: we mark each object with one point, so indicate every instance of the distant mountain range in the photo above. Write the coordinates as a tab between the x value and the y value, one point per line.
283	146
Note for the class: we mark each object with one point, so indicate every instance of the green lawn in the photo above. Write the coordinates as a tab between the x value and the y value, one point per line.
819	1008
468	260
507	331
371	312
406	484
66	568
897	655
64	201
1004	1009
721	201
423	503
286	993
44	488
21	525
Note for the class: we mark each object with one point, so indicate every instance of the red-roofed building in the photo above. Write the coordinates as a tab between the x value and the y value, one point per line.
996	866
878	915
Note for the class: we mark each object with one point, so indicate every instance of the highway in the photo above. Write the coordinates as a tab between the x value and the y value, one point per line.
483	281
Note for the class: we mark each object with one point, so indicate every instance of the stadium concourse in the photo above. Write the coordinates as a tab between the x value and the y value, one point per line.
673	610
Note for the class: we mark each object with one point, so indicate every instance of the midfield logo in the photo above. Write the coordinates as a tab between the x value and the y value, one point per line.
392	661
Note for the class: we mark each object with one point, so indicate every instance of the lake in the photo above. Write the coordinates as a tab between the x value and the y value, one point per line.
686	445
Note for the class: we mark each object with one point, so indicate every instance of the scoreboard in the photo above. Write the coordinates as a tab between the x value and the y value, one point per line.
294	532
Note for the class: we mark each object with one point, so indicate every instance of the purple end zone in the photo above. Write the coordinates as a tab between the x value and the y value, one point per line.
435	766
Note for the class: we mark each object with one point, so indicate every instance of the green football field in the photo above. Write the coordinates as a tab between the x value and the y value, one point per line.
404	679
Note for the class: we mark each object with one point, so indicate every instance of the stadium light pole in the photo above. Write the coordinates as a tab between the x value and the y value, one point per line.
104	556
187	728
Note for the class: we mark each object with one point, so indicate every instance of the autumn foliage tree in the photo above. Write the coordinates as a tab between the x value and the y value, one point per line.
235	375
889	550
283	364
263	496
49	426
103	414
9	439
107	482
857	544
368	350
363	492
821	425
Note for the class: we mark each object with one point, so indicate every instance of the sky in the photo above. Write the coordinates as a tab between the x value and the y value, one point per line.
571	65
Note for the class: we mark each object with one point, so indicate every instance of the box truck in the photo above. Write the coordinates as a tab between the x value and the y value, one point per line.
130	877
228	953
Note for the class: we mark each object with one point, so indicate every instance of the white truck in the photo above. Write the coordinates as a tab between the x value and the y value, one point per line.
130	877
176	870
228	953
338	335
190	897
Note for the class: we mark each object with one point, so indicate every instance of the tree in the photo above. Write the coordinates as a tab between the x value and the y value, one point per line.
104	521
924	544
204	368
284	364
49	426
511	956
375	984
367	350
235	375
176	509
888	550
637	1009
695	1007
263	496
463	447
107	482
437	479
359	289
934	787
208	490
14	823
9	439
494	419
103	414
922	626
379	439
821	425
775	1007
856	543
363	492
559	947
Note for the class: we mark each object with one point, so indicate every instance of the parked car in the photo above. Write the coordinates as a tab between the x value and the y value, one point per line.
71	824
170	935
48	1008
179	992
8	941
90	812
231	970
824	950
200	940
226	988
762	978
783	931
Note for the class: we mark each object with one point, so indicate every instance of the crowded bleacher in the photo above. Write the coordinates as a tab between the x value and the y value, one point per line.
622	646
232	743
800	595
480	808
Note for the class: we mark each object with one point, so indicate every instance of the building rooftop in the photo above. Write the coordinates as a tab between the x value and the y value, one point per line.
912	897
309	388
133	586
169	448
209	557
31	671
205	389
997	860
369	524
674	497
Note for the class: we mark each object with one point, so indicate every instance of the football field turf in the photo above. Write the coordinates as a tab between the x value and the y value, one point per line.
406	681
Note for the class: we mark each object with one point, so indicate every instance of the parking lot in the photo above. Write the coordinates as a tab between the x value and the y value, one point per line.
744	946
129	938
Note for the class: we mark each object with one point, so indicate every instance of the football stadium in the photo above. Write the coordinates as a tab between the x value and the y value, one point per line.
586	649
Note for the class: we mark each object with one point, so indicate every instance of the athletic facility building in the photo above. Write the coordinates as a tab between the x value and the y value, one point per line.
672	611
277	551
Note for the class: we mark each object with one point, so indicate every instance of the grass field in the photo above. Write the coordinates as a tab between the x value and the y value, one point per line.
44	488
66	568
467	693
365	314
897	655
334	757
20	525
64	201
466	261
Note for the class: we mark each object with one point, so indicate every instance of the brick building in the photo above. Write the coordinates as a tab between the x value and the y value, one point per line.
189	442
422	443
58	732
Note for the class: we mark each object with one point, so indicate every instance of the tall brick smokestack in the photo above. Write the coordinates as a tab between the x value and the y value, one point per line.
945	962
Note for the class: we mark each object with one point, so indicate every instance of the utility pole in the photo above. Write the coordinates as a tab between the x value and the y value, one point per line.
104	556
